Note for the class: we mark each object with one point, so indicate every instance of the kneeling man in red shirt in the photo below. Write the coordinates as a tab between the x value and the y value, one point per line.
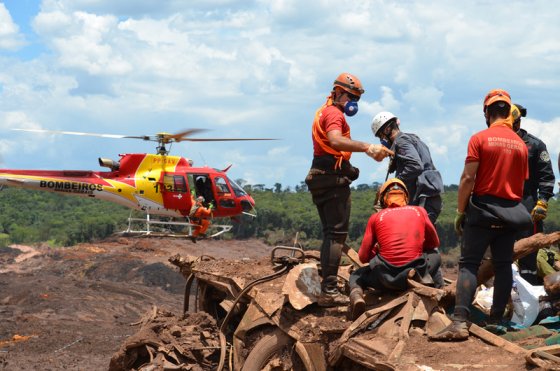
398	238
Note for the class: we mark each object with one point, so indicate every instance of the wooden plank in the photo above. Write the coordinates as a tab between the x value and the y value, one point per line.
353	256
496	340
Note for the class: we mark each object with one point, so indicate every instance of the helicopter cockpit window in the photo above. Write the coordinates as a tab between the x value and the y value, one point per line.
237	188
179	183
222	186
174	183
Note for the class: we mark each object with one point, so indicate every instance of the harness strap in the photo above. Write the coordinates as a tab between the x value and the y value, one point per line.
320	136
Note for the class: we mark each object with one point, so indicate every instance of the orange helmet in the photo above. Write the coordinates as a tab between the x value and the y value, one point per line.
391	187
349	83
496	95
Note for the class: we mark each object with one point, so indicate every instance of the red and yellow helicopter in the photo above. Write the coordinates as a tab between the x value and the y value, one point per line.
157	184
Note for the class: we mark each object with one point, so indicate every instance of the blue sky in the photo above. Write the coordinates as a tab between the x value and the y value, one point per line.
261	69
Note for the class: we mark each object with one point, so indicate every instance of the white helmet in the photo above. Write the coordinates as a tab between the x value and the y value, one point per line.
379	120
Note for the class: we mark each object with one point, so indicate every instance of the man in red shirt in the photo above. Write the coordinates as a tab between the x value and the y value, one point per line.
330	176
397	239
489	211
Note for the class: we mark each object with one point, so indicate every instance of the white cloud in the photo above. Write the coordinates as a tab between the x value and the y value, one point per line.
10	37
548	132
261	68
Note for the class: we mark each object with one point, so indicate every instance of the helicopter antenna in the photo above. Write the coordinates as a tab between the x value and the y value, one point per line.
203	159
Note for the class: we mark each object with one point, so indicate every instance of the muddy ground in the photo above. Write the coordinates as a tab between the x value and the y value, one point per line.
72	308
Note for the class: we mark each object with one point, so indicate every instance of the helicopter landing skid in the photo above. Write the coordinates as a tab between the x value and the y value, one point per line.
164	228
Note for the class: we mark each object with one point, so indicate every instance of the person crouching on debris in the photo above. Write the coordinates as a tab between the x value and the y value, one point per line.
397	239
199	215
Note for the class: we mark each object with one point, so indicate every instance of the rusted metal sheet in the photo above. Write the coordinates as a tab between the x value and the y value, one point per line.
253	318
268	300
312	355
303	285
364	354
370	317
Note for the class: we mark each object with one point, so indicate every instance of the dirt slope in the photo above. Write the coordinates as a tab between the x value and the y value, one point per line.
71	308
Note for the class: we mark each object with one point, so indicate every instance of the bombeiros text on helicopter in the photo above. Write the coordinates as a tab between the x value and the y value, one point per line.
161	185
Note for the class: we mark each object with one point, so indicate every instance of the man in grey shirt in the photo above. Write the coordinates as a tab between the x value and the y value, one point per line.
412	163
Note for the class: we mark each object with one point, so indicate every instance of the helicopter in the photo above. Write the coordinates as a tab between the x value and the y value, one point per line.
158	184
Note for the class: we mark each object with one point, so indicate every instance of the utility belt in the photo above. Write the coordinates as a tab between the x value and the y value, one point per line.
494	212
324	175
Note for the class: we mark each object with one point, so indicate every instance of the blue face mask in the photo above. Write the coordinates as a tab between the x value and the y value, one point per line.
385	143
351	108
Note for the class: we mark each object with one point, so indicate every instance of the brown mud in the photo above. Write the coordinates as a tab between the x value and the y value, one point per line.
76	308
72	308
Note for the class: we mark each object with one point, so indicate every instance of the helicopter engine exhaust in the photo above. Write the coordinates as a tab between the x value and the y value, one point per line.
106	162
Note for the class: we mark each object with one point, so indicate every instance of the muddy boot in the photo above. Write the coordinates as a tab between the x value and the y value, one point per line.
456	331
193	239
332	298
357	304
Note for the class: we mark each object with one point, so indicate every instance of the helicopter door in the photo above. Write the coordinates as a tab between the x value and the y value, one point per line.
175	192
224	196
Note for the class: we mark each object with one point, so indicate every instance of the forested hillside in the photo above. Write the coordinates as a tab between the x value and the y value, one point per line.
29	216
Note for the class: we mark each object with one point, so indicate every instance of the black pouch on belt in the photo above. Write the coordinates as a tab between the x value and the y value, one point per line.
323	174
318	179
498	211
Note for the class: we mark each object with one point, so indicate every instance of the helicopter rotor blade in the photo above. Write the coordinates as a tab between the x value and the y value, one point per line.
178	137
160	137
224	139
73	133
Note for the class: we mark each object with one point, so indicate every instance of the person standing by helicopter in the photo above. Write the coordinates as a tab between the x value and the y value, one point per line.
331	174
199	216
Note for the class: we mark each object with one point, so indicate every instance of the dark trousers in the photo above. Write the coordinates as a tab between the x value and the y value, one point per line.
369	276
475	242
333	205
432	205
528	264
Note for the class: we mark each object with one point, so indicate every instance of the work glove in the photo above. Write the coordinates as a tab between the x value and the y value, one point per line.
378	152
539	211
459	219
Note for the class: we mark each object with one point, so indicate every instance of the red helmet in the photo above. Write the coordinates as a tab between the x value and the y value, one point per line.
496	95
349	83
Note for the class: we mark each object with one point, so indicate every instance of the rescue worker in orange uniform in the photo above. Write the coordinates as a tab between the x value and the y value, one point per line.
199	215
398	238
330	176
489	210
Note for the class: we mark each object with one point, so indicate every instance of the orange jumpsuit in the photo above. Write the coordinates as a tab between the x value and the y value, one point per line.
201	214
